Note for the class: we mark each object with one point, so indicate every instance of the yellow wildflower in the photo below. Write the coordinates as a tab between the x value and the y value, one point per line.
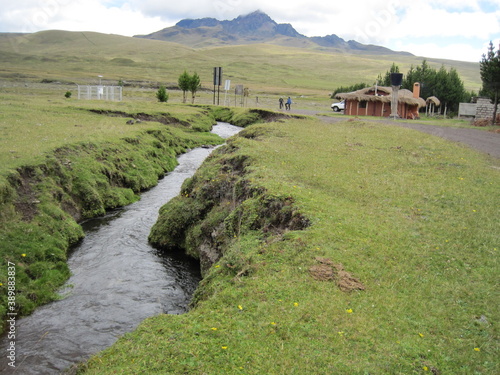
349	311
240	307
477	349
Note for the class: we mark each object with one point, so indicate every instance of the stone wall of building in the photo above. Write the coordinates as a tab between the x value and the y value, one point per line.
484	108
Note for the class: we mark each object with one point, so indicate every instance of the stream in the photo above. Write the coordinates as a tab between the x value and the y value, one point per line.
117	281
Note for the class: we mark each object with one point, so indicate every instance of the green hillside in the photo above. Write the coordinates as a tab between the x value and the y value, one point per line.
79	57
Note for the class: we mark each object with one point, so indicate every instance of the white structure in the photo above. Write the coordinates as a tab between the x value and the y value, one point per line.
467	109
100	92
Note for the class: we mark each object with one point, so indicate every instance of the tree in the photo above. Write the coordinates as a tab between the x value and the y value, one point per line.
162	94
184	83
194	85
445	85
425	75
386	79
456	91
489	67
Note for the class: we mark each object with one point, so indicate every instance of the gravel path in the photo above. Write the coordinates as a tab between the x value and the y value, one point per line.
481	140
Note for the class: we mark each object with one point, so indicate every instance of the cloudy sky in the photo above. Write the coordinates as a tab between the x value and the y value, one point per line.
453	29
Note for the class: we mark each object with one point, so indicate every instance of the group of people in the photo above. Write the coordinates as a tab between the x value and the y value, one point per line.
287	104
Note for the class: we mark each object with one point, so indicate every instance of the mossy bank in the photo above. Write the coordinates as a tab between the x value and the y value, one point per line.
42	203
350	248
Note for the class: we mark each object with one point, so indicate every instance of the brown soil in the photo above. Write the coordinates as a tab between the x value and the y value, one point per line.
326	270
27	202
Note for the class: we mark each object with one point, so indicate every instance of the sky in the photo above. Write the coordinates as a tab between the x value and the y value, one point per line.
449	29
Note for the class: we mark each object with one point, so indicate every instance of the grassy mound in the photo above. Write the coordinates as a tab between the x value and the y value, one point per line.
395	272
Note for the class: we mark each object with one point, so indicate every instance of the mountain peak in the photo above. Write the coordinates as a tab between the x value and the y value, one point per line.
256	16
254	27
256	13
256	24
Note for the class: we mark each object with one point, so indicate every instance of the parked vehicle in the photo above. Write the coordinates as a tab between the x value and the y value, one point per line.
338	106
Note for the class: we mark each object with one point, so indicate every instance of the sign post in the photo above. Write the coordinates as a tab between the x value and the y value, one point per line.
227	87
217	82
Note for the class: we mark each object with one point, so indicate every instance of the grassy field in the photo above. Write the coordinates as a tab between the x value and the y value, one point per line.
47	120
411	217
81	57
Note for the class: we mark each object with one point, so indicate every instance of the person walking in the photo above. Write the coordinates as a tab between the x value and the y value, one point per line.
288	103
281	102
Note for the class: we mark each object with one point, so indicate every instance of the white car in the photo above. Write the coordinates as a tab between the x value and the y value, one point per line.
338	106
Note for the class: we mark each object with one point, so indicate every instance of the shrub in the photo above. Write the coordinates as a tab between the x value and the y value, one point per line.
162	94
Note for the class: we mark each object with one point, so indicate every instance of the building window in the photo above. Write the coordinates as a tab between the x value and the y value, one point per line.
362	104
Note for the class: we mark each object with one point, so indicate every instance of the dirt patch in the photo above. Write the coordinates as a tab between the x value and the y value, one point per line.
27	200
270	116
322	272
162	118
326	270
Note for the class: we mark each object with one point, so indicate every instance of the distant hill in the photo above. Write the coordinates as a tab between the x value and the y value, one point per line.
81	57
256	27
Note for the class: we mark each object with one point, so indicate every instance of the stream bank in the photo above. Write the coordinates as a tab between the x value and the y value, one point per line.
117	281
41	205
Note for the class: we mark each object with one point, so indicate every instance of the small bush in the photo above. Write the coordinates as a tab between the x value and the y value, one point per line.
68	94
162	94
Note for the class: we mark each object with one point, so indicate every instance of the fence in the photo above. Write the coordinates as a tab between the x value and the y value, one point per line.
100	92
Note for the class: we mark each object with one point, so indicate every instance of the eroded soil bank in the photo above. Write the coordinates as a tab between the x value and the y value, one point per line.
117	280
41	205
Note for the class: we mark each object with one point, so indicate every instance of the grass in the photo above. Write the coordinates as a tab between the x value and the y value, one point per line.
426	120
47	121
412	216
62	161
265	69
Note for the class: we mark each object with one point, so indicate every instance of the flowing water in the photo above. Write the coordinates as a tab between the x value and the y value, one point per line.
117	281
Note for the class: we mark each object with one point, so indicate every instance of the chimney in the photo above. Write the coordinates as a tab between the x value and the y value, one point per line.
416	90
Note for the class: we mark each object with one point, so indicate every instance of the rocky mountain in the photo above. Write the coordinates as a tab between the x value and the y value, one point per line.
256	24
256	27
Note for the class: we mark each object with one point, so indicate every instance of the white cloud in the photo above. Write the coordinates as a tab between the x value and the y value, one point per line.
458	51
424	20
75	15
383	22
